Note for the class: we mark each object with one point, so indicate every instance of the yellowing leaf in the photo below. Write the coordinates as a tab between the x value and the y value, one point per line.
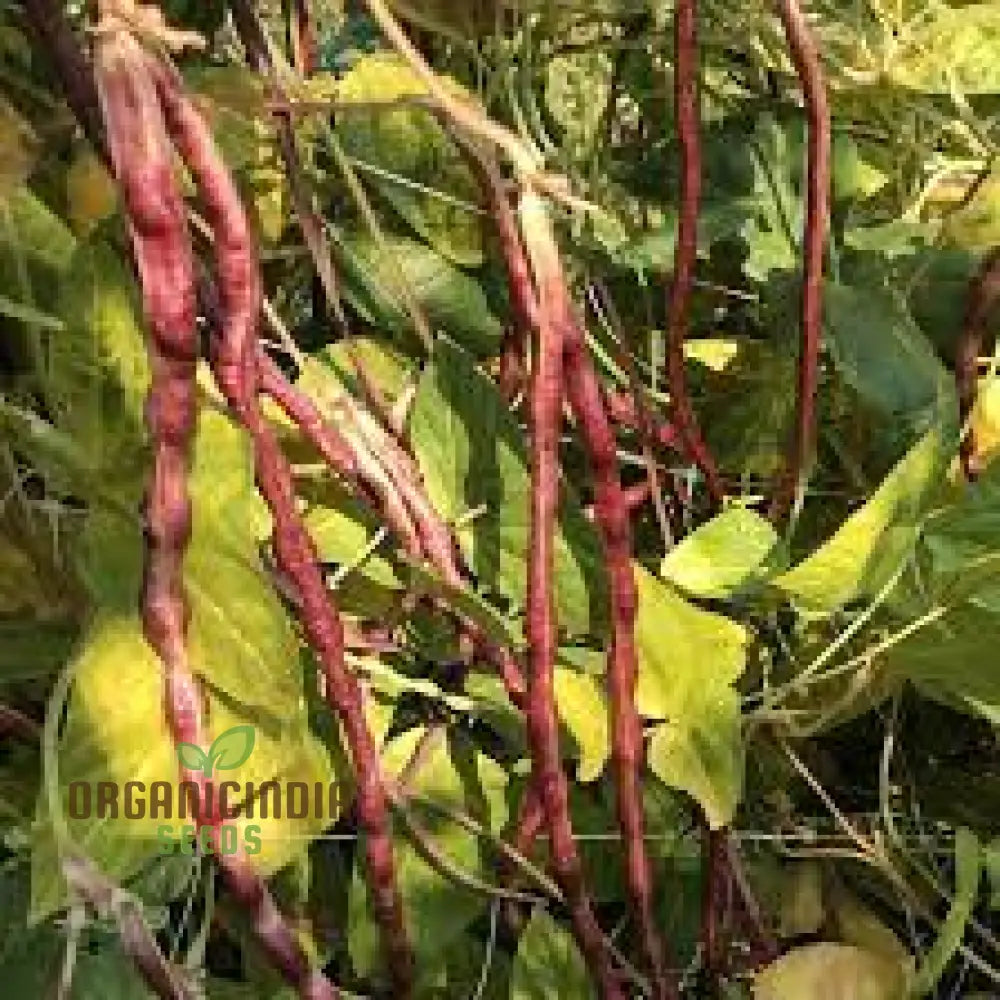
583	708
688	661
985	422
722	555
683	650
949	50
713	352
115	732
702	754
829	971
866	550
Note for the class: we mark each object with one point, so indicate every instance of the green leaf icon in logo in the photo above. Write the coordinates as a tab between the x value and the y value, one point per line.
192	757
230	749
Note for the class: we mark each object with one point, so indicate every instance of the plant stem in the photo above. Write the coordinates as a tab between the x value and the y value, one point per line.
137	940
254	40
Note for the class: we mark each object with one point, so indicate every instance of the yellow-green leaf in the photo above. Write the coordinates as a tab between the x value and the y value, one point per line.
548	964
583	709
828	971
683	650
702	754
722	555
867	549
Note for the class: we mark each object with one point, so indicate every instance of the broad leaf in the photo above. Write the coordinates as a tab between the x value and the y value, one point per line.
722	556
583	709
831	972
882	353
472	456
115	732
683	650
438	908
869	547
688	661
377	273
548	964
406	153
702	754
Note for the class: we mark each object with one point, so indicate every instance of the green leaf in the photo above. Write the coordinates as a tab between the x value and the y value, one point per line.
882	353
232	748
192	756
33	648
684	651
342	533
30	229
721	556
406	153
968	868
833	972
752	403
548	964
96	374
962	540
583	708
472	457
577	90
853	176
991	862
376	272
702	754
28	314
773	232
868	548
19	148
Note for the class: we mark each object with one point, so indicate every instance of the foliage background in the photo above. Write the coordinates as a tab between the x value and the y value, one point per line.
829	692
